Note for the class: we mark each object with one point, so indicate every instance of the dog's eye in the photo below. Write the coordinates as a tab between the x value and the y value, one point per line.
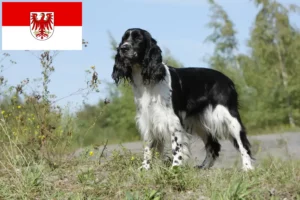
138	38
125	36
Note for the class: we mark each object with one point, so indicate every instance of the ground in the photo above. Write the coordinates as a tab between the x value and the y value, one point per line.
85	174
277	145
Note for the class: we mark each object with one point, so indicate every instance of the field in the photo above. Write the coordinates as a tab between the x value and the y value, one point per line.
111	172
50	151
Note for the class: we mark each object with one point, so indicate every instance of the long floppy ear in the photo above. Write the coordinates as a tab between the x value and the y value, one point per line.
122	68
153	70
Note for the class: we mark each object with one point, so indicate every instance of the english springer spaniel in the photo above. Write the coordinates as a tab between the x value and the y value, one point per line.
174	103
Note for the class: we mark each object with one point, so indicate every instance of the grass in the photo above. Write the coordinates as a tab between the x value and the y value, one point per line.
22	176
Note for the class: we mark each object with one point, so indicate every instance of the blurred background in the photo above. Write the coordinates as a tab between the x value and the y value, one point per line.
68	96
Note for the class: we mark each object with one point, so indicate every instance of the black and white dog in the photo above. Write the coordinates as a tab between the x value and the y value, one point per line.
175	103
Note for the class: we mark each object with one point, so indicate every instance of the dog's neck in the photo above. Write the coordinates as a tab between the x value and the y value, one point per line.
137	79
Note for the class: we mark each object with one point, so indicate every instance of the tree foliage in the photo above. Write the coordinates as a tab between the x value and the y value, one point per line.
267	78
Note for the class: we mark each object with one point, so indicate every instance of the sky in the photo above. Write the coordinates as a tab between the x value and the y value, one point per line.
179	25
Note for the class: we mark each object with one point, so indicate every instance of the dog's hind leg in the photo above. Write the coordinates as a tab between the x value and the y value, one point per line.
238	136
212	148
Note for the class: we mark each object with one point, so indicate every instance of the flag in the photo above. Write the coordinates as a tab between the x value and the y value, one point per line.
41	25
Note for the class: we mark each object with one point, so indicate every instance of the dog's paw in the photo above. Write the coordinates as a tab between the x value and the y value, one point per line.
145	166
202	167
247	168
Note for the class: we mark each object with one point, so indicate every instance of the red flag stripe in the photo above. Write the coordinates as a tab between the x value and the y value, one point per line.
18	13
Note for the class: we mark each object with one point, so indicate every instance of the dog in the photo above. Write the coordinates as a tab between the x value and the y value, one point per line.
174	103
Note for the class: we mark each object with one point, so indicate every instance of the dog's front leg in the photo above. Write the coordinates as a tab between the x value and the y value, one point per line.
147	156
180	145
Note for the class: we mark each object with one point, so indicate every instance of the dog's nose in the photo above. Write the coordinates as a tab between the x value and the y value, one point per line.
125	47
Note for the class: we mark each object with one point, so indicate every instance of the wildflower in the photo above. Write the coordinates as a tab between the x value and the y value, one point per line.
132	158
2	112
42	137
19	107
156	154
91	153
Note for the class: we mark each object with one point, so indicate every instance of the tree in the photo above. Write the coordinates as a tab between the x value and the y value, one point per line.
266	79
225	57
274	42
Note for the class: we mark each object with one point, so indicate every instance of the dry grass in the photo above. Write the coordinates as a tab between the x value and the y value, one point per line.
25	177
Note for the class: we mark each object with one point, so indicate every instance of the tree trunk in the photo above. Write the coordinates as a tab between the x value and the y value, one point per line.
285	86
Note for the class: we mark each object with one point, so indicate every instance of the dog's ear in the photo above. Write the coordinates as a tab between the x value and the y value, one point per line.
153	70
122	68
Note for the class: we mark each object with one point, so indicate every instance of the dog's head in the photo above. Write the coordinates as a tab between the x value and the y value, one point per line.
138	48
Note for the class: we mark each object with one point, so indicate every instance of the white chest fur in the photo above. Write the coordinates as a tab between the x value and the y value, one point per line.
154	107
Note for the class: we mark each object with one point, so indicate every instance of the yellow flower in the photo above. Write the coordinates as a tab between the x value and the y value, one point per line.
132	158
2	112
19	107
42	137
91	153
156	154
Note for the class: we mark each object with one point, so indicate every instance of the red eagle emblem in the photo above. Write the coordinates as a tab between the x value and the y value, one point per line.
42	25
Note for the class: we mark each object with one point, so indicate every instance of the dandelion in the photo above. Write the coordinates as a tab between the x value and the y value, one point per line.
91	153
19	107
132	158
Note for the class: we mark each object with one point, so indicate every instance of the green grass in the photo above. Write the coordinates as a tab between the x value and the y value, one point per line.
23	176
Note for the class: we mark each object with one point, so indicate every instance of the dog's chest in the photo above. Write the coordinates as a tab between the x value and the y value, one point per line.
154	107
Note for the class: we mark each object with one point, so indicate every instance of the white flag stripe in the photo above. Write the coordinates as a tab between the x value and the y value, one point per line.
20	38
